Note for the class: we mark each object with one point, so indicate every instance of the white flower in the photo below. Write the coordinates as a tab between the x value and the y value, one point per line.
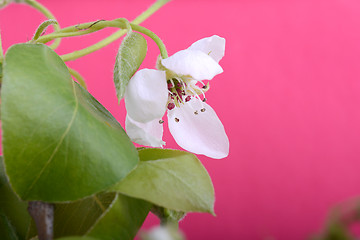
163	233
175	88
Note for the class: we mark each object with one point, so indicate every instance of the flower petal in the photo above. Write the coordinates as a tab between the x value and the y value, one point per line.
146	95
214	46
201	133
148	134
195	63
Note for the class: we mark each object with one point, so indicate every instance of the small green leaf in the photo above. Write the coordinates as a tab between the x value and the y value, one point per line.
103	216
59	142
123	219
76	218
172	179
13	211
131	54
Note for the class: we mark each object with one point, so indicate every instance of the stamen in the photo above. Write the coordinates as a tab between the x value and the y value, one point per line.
172	82
179	91
161	121
188	98
206	87
183	84
191	92
199	89
179	99
177	120
171	106
201	82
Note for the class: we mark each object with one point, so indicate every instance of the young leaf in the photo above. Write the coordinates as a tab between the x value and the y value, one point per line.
131	54
59	142
171	179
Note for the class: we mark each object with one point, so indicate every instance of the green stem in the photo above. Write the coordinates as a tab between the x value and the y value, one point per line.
154	37
49	15
78	77
43	27
86	28
1	51
142	17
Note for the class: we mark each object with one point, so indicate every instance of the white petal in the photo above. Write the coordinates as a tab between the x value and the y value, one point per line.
195	63
201	133
146	95
214	46
148	134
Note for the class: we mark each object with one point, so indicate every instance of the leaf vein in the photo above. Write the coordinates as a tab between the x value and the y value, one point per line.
60	141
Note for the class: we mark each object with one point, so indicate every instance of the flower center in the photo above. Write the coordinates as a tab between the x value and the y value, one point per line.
182	90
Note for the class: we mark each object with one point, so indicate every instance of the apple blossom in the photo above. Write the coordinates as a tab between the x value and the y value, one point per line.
174	88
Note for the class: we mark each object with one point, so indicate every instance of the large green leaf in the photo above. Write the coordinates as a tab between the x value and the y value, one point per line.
14	217
59	143
172	179
131	54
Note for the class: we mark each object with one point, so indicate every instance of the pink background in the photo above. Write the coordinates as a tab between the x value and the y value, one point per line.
289	99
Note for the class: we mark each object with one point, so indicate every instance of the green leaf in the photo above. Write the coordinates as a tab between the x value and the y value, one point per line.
103	216
123	219
14	216
172	179
131	54
59	142
76	218
7	230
